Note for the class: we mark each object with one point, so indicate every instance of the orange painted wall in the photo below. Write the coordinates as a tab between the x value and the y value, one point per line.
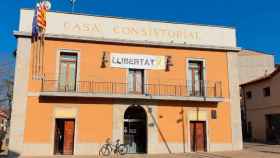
220	128
38	123
90	115
91	54
172	121
95	123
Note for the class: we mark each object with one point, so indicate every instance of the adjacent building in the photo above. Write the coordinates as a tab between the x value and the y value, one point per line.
252	65
262	104
159	87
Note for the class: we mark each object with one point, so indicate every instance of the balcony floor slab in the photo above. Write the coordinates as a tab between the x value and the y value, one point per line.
131	96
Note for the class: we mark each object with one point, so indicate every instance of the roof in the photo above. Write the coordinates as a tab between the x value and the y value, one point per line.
263	78
250	52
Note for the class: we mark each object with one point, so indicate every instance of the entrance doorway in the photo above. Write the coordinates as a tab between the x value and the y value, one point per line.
64	136
135	129
273	128
198	136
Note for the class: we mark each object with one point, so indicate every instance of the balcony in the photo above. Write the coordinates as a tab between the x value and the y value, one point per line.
208	91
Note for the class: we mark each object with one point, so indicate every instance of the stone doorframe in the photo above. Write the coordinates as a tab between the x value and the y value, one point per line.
194	115
118	125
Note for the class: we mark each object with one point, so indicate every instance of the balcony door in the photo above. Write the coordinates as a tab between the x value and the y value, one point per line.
67	72
195	78
136	81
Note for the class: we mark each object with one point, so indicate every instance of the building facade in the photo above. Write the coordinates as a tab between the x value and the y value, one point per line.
252	65
158	87
263	107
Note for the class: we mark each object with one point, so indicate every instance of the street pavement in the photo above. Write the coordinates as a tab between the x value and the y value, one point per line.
251	150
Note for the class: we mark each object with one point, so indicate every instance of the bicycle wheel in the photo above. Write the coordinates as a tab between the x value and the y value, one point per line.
104	151
122	149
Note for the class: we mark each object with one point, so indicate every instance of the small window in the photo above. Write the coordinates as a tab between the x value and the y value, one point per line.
213	114
266	92
249	95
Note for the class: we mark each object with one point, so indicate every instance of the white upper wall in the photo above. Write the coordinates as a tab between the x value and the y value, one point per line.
133	30
253	65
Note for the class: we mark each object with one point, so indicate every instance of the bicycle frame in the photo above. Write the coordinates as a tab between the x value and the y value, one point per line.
113	147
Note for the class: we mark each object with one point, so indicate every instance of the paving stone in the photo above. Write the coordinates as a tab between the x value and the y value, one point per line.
251	150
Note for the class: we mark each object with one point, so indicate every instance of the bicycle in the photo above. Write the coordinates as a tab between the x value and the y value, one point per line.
108	148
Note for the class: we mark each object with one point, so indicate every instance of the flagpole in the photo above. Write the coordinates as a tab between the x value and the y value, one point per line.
73	5
38	37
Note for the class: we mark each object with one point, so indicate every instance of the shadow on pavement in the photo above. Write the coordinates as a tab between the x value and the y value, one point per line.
265	148
272	152
12	154
210	155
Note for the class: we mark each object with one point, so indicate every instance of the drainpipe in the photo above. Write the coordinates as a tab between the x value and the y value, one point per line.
245	111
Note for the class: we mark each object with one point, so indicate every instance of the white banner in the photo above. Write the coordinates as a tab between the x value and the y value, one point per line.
134	61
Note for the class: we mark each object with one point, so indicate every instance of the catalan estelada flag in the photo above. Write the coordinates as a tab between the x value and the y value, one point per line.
41	16
39	19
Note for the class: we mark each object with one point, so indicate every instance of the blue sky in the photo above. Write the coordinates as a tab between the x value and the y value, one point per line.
257	21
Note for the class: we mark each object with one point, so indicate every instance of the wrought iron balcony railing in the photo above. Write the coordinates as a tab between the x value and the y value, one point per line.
191	89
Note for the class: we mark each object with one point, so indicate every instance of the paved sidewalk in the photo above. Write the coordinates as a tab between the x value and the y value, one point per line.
235	154
266	148
251	150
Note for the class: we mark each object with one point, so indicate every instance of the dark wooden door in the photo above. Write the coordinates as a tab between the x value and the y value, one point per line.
198	135
68	145
64	136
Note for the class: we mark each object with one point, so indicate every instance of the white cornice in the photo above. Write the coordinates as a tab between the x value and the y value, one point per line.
129	42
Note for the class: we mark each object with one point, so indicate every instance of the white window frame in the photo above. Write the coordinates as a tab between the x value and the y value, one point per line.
78	53
145	79
204	71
